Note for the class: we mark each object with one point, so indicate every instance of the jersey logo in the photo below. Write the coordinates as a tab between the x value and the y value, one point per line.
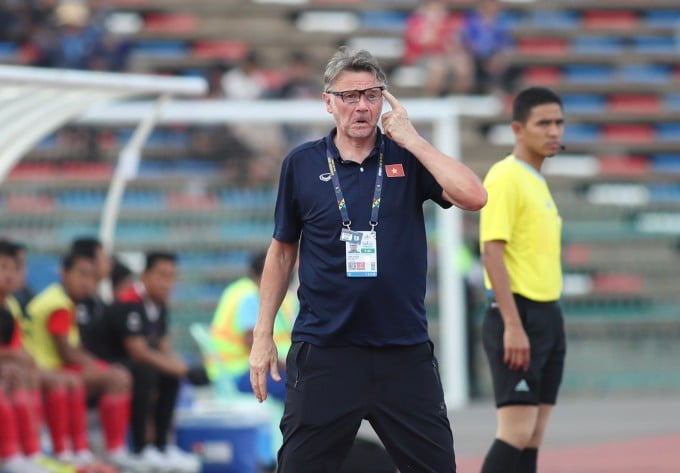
134	321
522	386
82	314
325	177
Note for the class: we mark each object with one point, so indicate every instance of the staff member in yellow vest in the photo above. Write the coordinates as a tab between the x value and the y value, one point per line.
523	330
233	323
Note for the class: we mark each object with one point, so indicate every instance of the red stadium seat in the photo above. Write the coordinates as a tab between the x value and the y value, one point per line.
539	75
543	46
170	23
624	165
29	203
182	200
635	104
33	172
578	254
607	20
617	283
225	50
85	171
628	133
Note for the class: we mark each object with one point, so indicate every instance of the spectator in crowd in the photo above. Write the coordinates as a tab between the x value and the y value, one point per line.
298	84
139	324
245	80
54	343
431	43
486	37
77	40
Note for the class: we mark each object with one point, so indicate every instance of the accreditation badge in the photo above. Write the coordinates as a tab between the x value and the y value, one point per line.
362	258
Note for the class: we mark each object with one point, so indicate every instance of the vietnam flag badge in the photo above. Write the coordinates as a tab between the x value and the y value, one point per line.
394	170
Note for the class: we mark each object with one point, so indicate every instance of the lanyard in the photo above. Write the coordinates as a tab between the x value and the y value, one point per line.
342	205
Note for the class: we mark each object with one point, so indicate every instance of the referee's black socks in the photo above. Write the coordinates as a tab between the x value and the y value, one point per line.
501	458
527	461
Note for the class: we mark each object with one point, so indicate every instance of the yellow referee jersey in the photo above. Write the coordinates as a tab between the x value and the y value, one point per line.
521	211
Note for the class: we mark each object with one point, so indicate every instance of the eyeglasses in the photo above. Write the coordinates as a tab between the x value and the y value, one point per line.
373	94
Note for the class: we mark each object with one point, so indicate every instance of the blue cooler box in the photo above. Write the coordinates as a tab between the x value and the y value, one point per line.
224	437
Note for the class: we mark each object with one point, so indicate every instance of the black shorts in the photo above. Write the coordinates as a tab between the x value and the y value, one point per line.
544	326
329	390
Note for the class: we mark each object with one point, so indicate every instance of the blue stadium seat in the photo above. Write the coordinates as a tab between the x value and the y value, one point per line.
597	45
80	199
645	73
655	44
383	20
553	19
167	49
664	193
584	103
582	133
8	51
665	163
668	132
672	102
661	18
135	198
587	74
42	270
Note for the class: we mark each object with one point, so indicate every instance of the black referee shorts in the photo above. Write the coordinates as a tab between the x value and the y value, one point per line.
329	391
544	326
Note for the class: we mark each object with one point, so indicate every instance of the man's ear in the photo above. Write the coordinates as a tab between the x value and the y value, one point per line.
327	100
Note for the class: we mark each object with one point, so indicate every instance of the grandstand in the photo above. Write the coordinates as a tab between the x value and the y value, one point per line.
616	65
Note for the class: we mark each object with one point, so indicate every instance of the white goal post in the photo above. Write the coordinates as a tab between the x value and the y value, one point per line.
441	114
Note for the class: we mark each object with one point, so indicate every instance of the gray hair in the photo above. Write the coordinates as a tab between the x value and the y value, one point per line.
356	61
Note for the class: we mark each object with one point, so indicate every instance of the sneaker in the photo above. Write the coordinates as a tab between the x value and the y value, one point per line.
183	461
21	464
53	465
127	462
155	460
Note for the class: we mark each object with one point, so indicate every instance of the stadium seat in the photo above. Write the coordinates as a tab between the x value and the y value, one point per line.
541	75
582	133
225	50
583	103
587	74
618	283
664	163
634	103
626	20
661	18
597	45
383	20
542	46
165	49
624	165
174	23
645	73
552	19
629	133
33	203
664	193
668	131
655	44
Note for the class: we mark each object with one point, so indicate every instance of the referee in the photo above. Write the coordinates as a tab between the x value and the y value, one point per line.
523	331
